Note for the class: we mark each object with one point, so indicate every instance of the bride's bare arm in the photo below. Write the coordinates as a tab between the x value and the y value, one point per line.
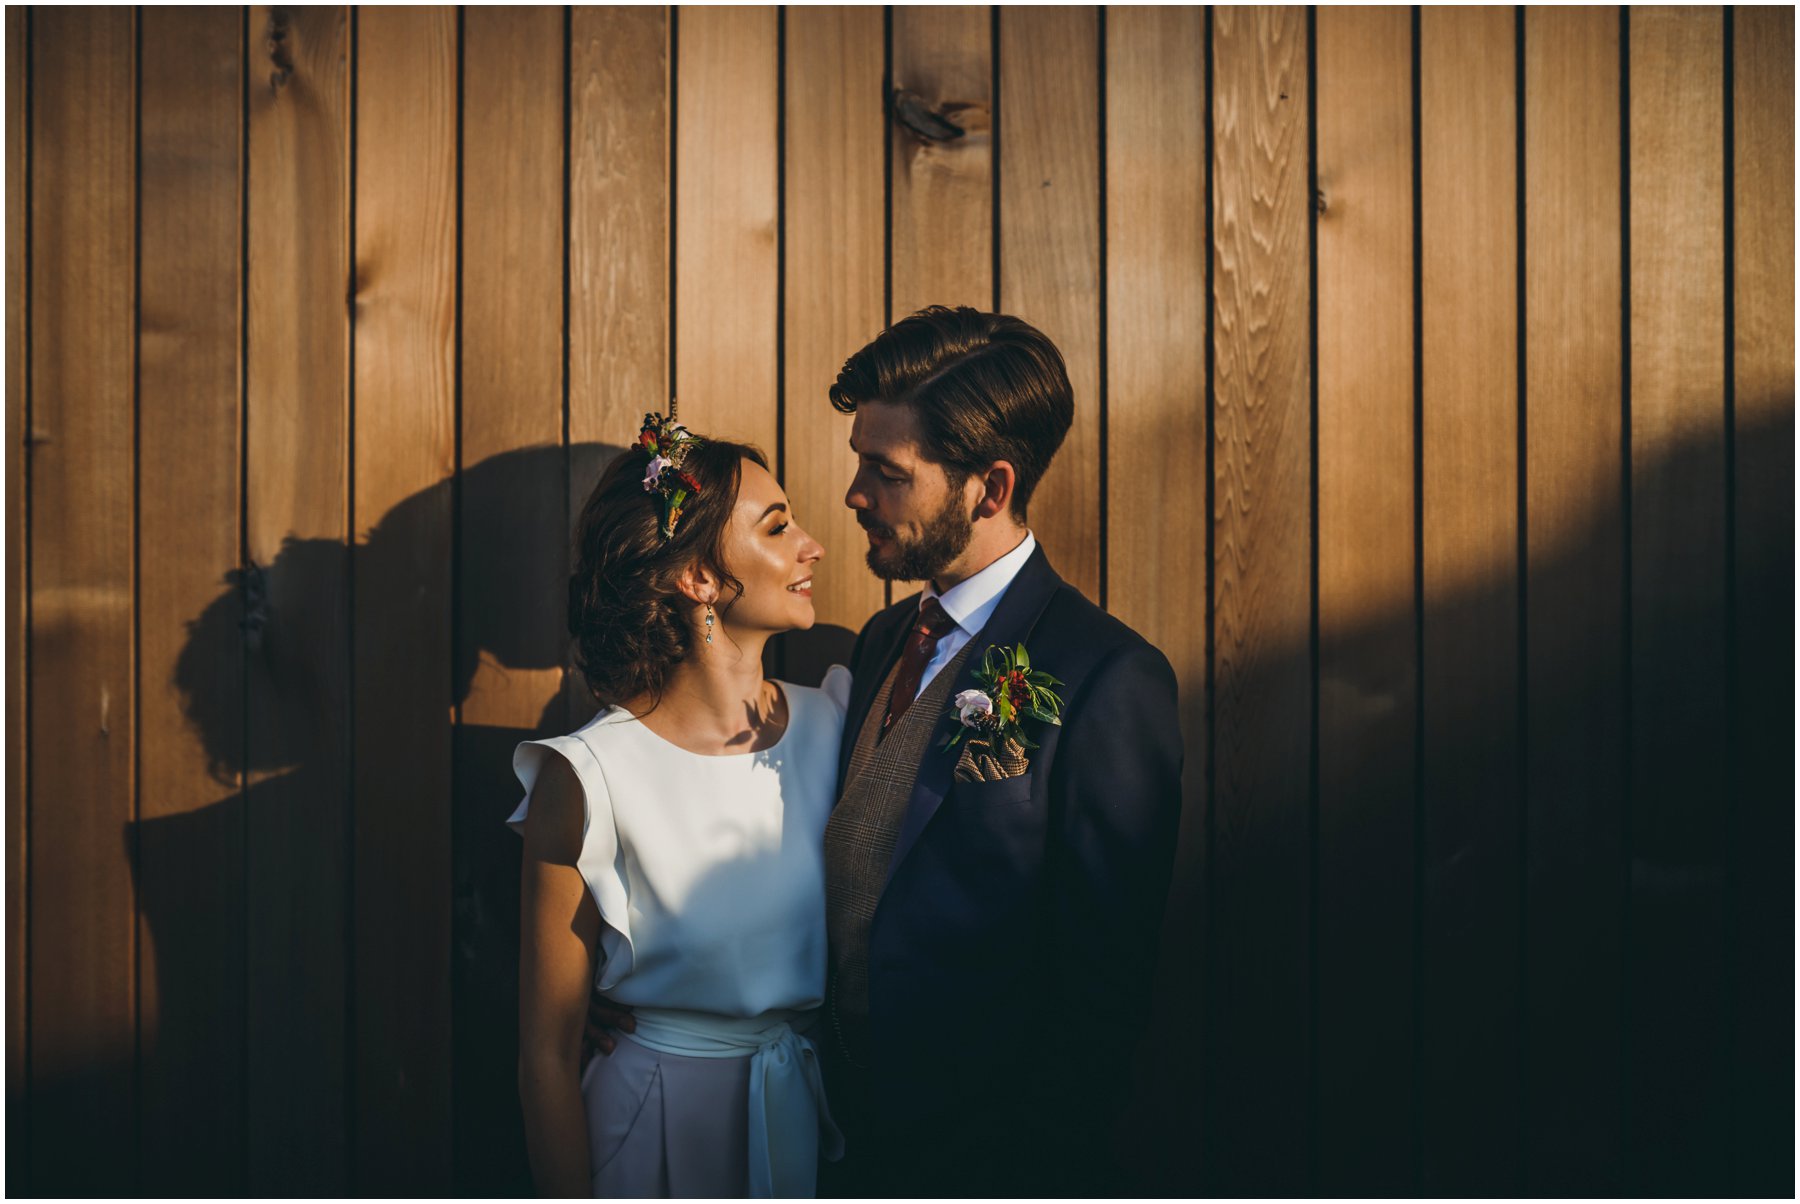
559	933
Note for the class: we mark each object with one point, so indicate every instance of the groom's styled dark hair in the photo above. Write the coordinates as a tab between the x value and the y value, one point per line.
985	386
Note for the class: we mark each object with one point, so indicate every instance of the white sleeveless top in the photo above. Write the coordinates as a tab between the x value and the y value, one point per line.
709	871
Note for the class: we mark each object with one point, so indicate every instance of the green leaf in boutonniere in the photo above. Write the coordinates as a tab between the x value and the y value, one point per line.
1008	692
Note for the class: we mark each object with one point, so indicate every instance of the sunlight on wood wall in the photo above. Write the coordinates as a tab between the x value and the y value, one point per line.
1434	387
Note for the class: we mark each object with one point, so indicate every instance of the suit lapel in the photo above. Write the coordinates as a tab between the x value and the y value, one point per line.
1010	624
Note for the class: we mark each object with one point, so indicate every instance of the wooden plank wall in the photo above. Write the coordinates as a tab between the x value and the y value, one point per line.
293	598
189	416
1434	376
81	977
1470	755
1575	607
1259	1032
1367	666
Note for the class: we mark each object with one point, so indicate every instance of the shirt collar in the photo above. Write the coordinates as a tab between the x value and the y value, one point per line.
971	603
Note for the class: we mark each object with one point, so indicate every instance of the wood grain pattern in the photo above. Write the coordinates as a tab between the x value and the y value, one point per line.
512	546
1368	662
296	760
510	585
835	196
1156	265
83	701
404	322
1049	200
942	195
18	632
619	261
1262	563
728	164
1574	673
190	831
1763	653
1678	1103
1471	752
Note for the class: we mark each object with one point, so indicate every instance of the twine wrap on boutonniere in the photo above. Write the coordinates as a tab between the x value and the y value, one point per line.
993	715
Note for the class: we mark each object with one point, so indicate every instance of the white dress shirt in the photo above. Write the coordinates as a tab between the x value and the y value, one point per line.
971	604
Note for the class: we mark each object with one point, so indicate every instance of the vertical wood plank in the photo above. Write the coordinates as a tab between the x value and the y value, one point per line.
727	223
1763	651
1156	438
296	585
190	831
511	364
404	413
1575	535
1677	1089
1262	600
82	720
18	535
835	196
512	558
1368	662
942	195
619	267
1156	322
1050	249
1469	270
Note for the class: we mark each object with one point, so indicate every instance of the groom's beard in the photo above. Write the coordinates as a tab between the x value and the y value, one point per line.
945	536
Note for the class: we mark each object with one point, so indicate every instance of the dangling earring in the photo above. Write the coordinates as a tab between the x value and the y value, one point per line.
709	622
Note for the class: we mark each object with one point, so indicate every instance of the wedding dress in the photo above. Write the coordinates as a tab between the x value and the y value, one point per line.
709	874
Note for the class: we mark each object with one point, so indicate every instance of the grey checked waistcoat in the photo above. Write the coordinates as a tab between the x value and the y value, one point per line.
859	841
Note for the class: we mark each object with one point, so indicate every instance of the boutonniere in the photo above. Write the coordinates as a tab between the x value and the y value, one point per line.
993	715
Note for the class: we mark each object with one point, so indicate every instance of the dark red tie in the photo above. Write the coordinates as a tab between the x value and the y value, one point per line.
931	626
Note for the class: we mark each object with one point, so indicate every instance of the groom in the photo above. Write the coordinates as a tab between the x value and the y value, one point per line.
991	941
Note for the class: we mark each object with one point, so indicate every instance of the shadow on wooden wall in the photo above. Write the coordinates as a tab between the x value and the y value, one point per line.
295	955
1571	974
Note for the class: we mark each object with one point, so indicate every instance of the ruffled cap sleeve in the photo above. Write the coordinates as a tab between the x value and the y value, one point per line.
600	862
836	686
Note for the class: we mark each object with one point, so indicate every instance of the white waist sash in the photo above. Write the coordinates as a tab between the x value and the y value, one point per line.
789	1118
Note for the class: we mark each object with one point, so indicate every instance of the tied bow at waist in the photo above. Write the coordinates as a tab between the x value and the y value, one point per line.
789	1118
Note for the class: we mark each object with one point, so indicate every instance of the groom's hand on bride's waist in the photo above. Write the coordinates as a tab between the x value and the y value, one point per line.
605	1019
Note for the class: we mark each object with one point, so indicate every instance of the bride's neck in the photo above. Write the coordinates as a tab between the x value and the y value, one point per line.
717	699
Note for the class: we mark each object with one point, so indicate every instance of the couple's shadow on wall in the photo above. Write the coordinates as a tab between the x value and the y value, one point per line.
283	727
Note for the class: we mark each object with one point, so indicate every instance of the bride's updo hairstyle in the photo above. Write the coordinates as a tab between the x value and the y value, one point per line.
628	618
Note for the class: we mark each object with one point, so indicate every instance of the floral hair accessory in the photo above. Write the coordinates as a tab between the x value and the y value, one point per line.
668	443
993	716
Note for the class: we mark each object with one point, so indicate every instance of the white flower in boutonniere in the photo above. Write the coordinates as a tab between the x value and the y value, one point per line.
1010	692
973	707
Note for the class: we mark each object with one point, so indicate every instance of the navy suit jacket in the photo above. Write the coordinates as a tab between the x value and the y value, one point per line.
1012	950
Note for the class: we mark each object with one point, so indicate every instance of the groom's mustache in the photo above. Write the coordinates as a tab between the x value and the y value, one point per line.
869	524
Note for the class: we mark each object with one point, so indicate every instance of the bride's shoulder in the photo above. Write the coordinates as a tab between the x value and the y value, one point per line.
608	727
824	702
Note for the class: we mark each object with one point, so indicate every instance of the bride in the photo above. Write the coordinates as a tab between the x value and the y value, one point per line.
674	845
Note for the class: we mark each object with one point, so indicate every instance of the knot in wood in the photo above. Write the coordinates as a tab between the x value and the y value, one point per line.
281	56
926	123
